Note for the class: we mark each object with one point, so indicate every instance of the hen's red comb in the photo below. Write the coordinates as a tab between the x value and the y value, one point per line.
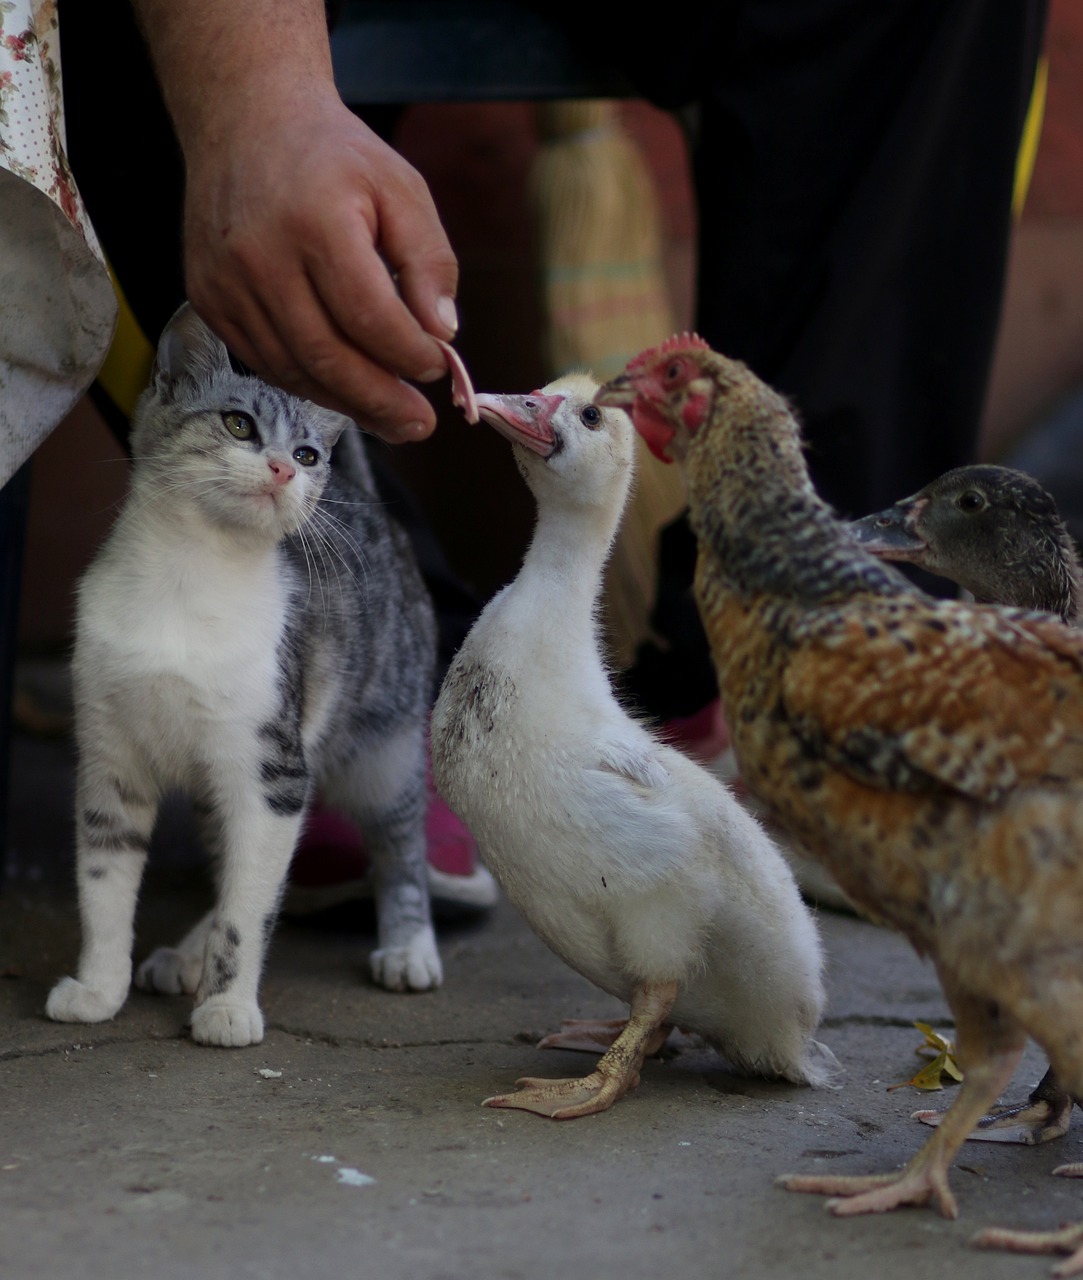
679	342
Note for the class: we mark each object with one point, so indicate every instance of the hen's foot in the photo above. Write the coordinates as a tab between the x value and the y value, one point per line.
877	1193
585	1035
566	1099
1045	1115
1067	1240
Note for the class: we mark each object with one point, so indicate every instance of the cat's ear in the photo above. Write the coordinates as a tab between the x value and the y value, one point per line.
187	352
332	425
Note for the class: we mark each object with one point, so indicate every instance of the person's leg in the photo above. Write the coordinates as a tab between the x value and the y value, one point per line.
854	168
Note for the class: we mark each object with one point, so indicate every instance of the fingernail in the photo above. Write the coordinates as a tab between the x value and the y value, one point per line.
449	315
433	374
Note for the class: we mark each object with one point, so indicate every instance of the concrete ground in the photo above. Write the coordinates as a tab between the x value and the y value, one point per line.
352	1141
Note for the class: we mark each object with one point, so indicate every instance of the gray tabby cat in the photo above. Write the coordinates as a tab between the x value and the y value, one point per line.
255	626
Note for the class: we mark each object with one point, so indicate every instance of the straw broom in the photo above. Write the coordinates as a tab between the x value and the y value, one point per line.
605	298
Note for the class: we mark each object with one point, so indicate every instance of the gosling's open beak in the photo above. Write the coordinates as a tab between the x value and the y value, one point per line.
525	420
892	534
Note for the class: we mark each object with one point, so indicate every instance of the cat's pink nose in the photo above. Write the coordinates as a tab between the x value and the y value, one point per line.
282	470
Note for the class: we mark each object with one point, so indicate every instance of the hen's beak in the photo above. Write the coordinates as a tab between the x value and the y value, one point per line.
892	534
525	420
617	393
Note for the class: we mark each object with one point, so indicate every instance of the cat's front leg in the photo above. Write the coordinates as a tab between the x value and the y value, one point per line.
385	794
113	832
257	845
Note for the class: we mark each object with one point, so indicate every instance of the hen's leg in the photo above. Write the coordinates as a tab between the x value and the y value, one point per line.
1054	1022
617	1070
1045	1115
989	1048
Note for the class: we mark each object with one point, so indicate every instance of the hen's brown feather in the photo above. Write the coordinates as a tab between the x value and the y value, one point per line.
930	753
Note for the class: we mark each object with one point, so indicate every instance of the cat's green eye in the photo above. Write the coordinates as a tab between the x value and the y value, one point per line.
239	425
305	456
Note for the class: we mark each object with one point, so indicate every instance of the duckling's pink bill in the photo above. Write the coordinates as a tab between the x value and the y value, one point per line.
462	389
525	420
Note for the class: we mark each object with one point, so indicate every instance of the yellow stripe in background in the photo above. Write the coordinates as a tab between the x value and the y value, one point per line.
126	370
1028	144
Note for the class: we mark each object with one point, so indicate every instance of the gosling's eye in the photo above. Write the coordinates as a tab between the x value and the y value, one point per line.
591	416
239	425
306	456
972	501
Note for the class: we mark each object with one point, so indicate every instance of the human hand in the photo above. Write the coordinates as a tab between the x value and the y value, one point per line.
315	252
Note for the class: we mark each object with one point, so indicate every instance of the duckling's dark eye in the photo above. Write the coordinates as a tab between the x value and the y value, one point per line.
591	416
306	456
239	425
972	501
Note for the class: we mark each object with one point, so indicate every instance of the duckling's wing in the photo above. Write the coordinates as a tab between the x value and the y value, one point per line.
633	761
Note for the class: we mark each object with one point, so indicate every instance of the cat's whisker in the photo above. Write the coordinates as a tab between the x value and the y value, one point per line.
344	535
331	557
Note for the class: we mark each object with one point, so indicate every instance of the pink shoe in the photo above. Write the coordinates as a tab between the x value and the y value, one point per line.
331	865
706	738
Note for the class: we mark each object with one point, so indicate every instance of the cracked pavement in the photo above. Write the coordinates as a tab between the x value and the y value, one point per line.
352	1140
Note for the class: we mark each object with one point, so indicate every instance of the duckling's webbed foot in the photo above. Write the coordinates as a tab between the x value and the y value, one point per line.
617	1070
1045	1115
587	1035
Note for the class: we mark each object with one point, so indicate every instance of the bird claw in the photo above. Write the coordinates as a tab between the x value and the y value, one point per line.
1068	1240
1028	1123
872	1193
584	1035
565	1099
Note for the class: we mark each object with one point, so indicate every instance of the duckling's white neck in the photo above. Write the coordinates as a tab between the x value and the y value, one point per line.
561	576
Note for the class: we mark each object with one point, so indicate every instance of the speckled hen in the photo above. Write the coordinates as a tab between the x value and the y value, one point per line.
930	753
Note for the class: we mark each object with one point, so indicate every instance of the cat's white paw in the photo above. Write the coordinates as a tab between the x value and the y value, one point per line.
228	1024
170	972
73	1001
413	967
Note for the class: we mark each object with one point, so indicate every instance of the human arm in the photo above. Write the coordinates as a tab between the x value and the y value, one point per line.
299	220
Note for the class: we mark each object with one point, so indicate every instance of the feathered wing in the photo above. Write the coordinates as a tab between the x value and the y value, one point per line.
915	695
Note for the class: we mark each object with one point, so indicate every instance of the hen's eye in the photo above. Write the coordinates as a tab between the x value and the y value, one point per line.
591	416
673	370
306	456
239	425
972	501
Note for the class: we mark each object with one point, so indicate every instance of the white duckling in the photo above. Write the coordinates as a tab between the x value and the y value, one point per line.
631	862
